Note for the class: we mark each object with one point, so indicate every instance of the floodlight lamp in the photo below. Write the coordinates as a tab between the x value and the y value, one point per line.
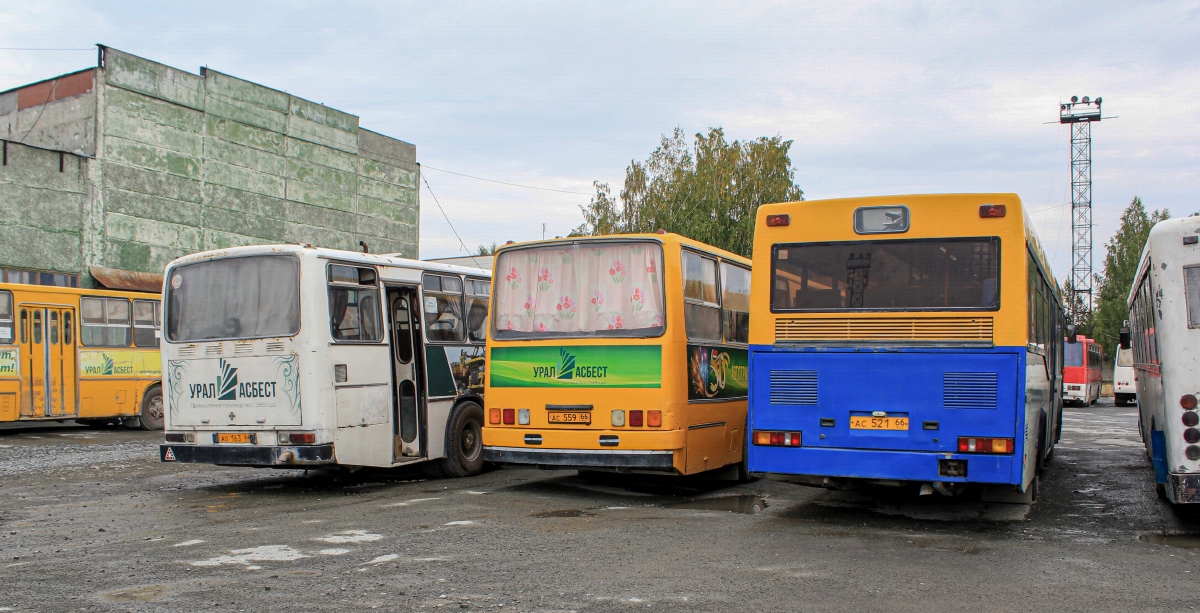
1099	100
1074	98
1086	100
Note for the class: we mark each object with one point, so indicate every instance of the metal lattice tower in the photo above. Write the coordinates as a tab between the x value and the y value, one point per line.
1081	114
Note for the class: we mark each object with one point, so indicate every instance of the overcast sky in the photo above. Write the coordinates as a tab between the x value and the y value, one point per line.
883	98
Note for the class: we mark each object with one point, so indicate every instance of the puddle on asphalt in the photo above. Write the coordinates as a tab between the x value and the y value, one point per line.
141	594
564	513
748	504
1185	541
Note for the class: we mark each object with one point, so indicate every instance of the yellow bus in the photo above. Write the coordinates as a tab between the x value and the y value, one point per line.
81	354
620	353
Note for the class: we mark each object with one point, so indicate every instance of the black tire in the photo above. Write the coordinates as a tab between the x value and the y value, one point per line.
1043	457
464	441
743	472
152	417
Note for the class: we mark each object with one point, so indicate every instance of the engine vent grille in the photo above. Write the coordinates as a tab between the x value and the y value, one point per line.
794	387
187	351
214	350
884	329
275	347
969	390
243	348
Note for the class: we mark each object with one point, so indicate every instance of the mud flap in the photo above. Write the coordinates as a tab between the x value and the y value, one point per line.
1158	455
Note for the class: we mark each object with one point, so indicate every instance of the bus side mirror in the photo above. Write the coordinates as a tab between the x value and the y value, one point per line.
1071	334
1125	341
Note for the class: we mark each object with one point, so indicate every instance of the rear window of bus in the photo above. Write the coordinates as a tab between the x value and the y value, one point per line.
887	275
589	289
234	298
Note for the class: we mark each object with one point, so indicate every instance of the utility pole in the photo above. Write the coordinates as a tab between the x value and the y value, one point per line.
1080	114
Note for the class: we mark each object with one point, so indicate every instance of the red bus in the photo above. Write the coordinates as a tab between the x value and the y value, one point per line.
1082	361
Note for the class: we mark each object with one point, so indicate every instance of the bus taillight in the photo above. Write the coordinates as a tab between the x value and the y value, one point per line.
654	419
992	210
1188	402
774	221
510	416
978	444
493	416
635	418
776	439
297	438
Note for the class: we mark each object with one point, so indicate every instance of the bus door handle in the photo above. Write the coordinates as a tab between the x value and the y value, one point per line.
568	407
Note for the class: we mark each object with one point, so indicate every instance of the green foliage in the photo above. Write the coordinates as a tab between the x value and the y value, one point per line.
486	249
1120	265
709	191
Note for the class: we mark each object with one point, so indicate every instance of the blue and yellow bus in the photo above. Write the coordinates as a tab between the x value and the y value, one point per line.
904	339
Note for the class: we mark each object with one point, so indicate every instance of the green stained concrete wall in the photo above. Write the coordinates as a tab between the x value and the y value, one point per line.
41	209
191	163
186	163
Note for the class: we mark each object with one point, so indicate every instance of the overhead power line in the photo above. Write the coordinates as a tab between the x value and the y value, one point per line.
46	49
439	206
545	189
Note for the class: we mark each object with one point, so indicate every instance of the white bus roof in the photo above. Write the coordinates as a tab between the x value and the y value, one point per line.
384	259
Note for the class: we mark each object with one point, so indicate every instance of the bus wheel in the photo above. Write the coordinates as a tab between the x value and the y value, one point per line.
464	441
152	409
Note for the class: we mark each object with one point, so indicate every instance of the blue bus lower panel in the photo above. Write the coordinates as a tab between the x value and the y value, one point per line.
932	397
889	465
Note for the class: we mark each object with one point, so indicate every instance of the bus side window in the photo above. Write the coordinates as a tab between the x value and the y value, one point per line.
6	318
68	329
353	304
477	309
701	309
145	323
735	303
443	307
53	328
24	326
105	322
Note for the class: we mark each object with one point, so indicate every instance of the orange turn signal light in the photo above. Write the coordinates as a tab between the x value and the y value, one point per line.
654	419
493	416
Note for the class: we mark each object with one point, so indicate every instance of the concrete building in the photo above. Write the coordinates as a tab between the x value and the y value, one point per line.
132	163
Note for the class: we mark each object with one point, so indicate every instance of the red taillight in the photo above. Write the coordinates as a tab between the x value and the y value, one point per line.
774	221
510	416
493	416
635	418
776	439
1187	401
300	438
992	210
654	419
980	444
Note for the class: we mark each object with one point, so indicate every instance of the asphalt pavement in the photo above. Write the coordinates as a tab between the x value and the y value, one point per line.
90	520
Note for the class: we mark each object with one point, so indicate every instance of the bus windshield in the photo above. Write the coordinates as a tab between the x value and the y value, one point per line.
586	289
938	274
1073	354
235	298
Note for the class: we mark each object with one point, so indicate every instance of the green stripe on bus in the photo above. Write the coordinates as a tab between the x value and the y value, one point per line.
576	366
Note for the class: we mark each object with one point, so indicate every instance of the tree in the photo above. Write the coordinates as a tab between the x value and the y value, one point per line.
486	249
709	191
1120	265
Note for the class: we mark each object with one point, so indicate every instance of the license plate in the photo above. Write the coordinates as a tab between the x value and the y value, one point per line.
569	417
233	438
866	422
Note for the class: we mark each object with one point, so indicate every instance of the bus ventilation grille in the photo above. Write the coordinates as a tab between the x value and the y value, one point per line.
794	387
947	329
969	390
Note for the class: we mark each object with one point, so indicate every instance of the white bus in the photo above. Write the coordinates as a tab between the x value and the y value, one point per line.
1124	391
294	357
1164	329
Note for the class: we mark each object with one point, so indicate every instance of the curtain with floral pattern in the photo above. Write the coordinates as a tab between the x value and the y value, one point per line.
579	288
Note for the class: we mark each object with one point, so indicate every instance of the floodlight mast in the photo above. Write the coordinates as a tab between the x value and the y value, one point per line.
1080	114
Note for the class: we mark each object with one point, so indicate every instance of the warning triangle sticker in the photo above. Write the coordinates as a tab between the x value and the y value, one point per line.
169	456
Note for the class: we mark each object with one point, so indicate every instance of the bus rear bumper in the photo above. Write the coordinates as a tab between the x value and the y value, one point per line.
805	464
249	455
582	458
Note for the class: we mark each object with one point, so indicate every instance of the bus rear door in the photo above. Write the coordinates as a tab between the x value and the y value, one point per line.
407	417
